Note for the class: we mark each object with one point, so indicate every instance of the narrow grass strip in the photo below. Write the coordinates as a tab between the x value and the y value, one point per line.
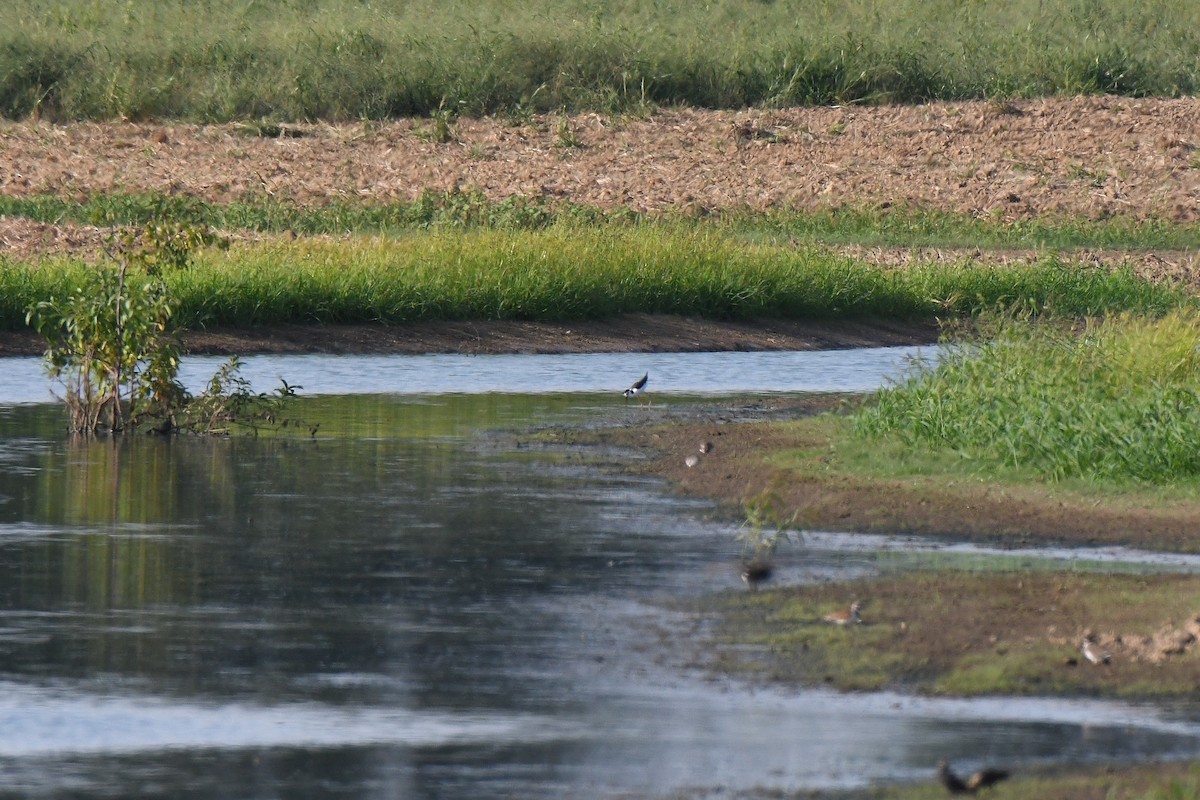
565	273
469	210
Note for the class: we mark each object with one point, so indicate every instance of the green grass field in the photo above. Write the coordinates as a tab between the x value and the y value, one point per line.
568	272
345	59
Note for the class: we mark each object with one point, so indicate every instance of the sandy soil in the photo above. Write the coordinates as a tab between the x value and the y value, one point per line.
642	333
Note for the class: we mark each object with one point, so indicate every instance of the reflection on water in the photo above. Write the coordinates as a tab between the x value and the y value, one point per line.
402	608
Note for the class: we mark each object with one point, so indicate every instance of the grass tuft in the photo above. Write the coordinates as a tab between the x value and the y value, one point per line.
1119	400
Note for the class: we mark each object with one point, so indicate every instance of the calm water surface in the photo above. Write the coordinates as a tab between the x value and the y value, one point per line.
860	370
411	606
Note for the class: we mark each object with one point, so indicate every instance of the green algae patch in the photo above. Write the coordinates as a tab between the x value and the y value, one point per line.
968	633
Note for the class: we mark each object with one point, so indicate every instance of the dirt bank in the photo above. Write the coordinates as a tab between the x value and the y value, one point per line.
642	333
745	464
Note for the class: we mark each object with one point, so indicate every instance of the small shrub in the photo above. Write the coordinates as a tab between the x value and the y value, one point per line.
113	345
229	403
564	134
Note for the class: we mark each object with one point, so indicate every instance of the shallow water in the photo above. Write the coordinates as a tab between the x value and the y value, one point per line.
407	607
860	370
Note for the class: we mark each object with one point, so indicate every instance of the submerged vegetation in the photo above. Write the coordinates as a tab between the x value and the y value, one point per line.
342	59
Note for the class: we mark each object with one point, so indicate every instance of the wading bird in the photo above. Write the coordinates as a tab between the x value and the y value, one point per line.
844	616
637	387
1092	652
756	571
988	776
693	460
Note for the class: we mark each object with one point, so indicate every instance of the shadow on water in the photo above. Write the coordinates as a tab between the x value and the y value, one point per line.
401	607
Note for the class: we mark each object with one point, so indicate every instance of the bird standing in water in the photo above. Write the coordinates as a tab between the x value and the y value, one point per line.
756	571
637	387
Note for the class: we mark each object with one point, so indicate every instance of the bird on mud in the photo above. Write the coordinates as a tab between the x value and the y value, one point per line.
988	776
637	387
756	571
845	616
1093	653
693	460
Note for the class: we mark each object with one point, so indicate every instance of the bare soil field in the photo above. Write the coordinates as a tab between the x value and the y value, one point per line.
1084	158
1071	157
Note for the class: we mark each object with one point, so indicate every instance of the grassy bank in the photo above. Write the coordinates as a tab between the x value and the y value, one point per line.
338	59
1117	401
572	272
968	633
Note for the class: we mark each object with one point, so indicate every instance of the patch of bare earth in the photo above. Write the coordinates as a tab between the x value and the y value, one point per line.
1061	157
1070	157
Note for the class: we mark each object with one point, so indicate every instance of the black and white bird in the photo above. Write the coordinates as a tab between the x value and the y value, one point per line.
637	387
988	776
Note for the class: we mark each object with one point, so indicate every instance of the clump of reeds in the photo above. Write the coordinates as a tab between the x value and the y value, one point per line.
1118	399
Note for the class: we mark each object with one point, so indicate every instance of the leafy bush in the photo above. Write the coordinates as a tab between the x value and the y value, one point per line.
112	343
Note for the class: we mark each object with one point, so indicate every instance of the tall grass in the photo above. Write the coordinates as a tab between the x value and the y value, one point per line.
569	272
340	59
1117	401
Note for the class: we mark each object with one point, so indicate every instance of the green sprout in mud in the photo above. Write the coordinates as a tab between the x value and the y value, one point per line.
766	523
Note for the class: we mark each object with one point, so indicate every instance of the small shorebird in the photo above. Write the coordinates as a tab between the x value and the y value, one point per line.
1092	652
844	616
637	387
693	460
756	571
988	776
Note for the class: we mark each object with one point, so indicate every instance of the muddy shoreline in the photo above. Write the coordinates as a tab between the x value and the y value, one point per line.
633	333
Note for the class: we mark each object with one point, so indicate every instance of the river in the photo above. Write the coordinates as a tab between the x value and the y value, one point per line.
418	604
